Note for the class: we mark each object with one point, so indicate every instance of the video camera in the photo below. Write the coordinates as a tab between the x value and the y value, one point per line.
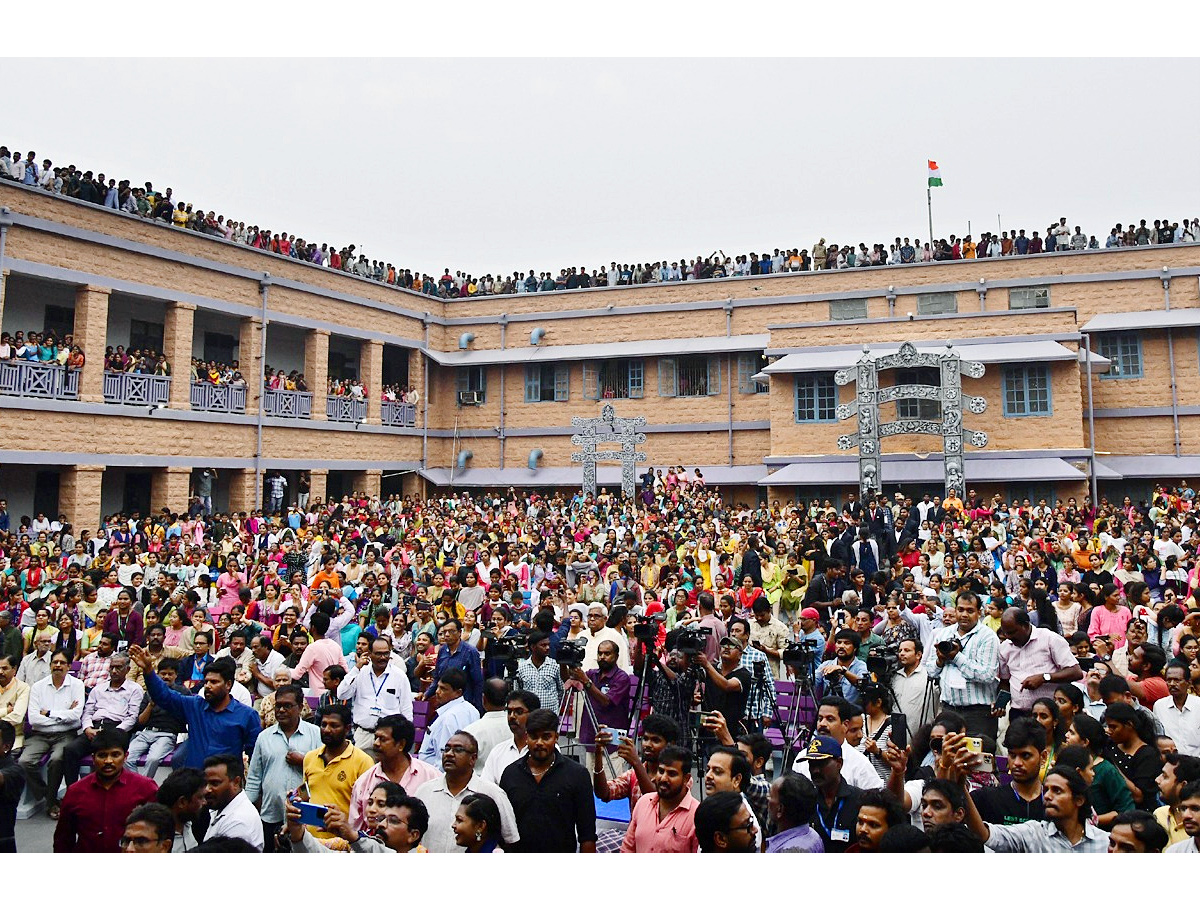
571	653
882	661
799	654
513	646
645	628
693	640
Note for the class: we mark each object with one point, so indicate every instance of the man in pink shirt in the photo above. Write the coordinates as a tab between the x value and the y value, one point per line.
320	654
664	821
1033	660
394	738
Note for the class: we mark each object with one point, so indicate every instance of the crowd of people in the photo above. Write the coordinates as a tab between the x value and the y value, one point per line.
146	202
141	361
40	347
472	674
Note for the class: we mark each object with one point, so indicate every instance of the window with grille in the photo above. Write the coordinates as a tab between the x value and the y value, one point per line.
471	378
1026	391
749	365
689	376
613	379
1123	351
853	308
816	397
1029	298
929	410
937	304
547	382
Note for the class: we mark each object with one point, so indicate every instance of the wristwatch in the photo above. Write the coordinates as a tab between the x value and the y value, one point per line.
1046	677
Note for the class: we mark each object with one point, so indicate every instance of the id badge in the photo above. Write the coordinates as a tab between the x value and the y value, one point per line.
376	711
840	835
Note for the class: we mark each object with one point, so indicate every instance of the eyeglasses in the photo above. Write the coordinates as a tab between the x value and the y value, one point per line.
457	751
124	841
747	827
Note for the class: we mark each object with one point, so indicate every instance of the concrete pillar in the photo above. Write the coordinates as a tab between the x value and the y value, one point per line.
241	490
319	484
177	346
79	495
316	369
371	364
368	482
412	483
250	350
91	333
170	487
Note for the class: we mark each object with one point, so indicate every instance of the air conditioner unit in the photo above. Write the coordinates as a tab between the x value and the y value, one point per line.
470	398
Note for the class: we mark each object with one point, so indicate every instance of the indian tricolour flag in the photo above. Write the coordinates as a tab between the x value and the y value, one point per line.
935	176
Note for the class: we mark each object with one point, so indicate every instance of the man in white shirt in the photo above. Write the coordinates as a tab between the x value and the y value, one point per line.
55	710
453	714
35	666
263	666
233	815
517	709
491	729
1179	712
833	715
375	690
443	795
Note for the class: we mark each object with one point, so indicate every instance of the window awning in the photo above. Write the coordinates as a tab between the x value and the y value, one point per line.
1139	321
616	350
1158	466
569	476
980	468
832	359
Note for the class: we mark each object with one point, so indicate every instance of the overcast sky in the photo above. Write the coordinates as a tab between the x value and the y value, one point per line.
496	165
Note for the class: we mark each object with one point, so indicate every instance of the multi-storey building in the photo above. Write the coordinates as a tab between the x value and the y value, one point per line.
733	375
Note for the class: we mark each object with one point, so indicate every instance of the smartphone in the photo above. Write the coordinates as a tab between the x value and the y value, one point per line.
985	763
617	735
899	729
974	744
1003	698
311	813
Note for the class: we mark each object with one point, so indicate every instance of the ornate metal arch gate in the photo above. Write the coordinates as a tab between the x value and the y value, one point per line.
948	392
608	427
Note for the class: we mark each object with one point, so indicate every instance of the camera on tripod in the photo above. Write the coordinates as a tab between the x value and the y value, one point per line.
799	654
883	662
571	653
645	628
693	640
503	649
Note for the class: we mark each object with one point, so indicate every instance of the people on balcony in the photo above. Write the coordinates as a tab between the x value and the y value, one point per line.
136	361
45	347
214	372
277	380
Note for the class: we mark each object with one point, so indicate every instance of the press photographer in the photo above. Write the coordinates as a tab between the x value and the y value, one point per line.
726	688
840	677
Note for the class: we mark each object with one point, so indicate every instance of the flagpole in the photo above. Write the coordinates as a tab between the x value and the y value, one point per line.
929	200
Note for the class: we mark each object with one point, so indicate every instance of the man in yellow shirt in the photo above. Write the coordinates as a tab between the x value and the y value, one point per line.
1177	772
330	772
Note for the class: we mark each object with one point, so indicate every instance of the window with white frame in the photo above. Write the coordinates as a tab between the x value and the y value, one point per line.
1026	390
927	410
471	380
816	397
749	365
1123	349
547	382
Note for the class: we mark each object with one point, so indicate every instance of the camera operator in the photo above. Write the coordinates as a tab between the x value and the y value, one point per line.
674	690
911	683
760	701
540	674
968	663
609	689
841	675
726	689
768	634
824	592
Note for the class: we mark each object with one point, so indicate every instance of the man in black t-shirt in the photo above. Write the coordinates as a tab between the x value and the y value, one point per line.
726	688
1020	801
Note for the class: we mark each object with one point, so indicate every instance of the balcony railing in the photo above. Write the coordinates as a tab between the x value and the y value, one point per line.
136	389
397	414
23	378
345	409
287	404
226	398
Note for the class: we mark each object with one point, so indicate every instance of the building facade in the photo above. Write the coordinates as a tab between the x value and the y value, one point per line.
733	375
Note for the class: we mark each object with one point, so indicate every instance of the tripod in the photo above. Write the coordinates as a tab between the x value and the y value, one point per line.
568	704
804	690
639	697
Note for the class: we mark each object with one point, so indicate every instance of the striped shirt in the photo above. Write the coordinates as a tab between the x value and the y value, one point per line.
760	703
971	678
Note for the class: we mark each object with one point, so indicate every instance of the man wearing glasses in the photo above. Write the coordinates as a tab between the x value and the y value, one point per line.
36	665
443	795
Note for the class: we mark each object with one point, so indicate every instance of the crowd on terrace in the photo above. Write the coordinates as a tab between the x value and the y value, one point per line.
149	203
